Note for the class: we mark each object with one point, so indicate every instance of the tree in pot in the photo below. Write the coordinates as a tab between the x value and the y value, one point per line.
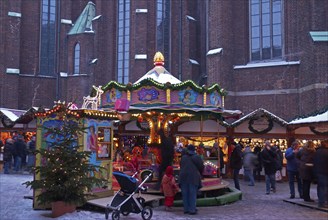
66	176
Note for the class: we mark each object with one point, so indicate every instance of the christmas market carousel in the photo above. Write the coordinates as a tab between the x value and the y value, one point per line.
160	102
126	124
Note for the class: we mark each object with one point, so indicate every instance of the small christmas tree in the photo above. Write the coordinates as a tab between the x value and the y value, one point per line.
65	172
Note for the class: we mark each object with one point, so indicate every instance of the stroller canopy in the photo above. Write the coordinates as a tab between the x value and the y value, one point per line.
127	183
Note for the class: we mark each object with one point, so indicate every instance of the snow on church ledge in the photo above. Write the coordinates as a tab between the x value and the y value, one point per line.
267	64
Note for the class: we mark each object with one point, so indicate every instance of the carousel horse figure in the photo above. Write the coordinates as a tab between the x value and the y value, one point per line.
94	101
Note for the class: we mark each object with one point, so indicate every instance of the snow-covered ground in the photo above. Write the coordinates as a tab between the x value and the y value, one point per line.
255	204
13	205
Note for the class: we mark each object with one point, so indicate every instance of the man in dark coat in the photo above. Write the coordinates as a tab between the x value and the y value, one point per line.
258	168
167	155
306	156
236	162
269	157
20	152
191	169
321	172
7	155
293	169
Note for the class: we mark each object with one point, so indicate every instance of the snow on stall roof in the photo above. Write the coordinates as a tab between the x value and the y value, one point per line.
317	118
258	112
9	114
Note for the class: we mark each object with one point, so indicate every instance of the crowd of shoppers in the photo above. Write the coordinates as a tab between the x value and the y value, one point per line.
305	164
18	155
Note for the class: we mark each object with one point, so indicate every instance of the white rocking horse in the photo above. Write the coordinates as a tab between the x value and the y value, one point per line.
94	101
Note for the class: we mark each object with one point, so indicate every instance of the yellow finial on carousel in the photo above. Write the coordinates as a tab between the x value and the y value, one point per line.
158	59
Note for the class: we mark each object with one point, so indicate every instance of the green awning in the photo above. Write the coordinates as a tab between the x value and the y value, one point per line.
319	35
83	23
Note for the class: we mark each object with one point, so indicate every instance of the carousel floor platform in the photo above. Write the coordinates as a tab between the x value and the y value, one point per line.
209	195
209	185
102	202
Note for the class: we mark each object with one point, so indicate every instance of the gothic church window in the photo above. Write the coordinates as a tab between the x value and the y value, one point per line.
123	41
266	38
48	38
163	13
77	52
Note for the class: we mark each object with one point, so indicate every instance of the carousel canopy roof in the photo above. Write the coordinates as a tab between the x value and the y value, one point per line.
159	73
159	91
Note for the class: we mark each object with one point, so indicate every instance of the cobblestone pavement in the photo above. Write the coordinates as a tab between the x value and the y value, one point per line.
255	204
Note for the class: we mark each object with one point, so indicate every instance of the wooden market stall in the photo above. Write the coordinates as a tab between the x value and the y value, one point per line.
314	127
96	138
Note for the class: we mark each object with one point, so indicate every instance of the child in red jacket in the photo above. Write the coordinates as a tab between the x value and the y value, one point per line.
169	187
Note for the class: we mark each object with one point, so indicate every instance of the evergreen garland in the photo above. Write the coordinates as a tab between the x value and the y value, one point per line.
312	128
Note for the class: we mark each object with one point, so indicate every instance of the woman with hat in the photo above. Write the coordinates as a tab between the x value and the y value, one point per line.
191	169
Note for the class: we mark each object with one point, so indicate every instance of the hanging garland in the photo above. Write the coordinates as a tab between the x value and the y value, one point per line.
196	140
252	129
312	128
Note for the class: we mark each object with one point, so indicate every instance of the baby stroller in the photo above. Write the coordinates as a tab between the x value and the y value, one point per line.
124	202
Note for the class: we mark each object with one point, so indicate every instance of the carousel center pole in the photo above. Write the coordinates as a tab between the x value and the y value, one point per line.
201	128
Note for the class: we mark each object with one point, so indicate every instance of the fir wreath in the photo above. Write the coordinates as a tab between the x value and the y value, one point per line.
312	128
252	129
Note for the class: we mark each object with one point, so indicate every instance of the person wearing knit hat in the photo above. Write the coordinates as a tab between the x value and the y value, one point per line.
191	169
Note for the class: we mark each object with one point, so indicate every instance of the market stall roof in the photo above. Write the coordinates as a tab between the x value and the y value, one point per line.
11	114
320	118
258	113
10	117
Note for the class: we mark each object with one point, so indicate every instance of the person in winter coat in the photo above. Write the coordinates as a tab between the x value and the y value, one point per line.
221	158
258	168
167	155
20	152
249	163
292	169
279	160
269	157
191	169
321	172
306	157
31	146
169	187
7	154
236	162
